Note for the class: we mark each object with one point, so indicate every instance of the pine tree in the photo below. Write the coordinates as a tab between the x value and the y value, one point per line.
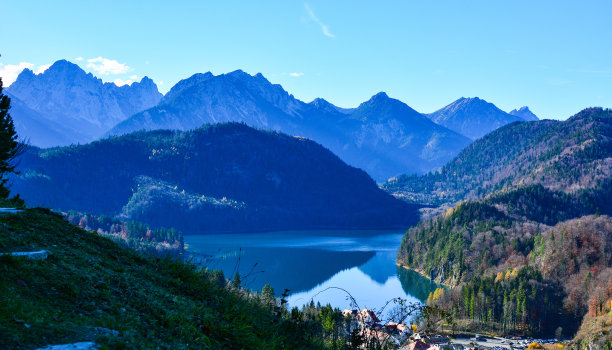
10	147
236	282
267	292
218	278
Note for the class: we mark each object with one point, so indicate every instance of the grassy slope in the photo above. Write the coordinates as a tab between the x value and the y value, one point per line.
89	281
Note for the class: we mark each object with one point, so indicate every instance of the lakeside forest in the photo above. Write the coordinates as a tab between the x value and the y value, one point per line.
518	228
528	250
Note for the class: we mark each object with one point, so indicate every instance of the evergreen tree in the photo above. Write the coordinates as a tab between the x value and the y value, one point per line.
218	278
9	145
236	282
267	292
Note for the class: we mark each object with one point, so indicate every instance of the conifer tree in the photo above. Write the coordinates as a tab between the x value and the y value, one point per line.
10	147
267	292
236	281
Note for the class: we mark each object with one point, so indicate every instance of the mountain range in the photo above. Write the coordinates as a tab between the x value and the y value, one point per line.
66	105
217	178
385	137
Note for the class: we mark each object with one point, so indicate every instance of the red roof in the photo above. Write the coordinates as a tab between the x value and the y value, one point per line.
418	345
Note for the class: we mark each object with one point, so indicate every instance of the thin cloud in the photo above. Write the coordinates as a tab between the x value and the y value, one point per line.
42	68
105	66
121	82
296	74
324	27
9	72
78	58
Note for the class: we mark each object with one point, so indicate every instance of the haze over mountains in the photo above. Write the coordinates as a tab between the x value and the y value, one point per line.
383	136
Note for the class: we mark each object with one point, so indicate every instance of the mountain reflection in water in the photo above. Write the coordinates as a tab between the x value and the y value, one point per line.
308	262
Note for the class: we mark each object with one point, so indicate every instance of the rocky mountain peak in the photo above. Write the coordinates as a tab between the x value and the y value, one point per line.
239	74
381	96
321	103
381	101
524	113
77	102
324	106
185	84
147	81
472	117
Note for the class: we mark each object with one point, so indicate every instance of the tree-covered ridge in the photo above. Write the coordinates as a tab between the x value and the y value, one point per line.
223	177
568	156
528	249
548	283
524	260
475	236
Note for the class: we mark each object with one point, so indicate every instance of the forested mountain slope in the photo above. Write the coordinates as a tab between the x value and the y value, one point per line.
219	178
560	155
532	254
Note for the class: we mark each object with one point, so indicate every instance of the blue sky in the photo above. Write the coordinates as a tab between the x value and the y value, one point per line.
554	56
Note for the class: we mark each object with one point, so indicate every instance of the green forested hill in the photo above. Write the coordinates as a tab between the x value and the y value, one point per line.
560	155
218	178
528	248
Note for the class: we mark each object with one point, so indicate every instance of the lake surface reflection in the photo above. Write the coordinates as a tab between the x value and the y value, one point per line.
309	262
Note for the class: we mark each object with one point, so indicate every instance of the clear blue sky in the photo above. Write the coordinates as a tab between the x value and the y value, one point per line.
554	56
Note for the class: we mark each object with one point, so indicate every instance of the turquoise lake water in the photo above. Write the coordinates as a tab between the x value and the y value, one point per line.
311	264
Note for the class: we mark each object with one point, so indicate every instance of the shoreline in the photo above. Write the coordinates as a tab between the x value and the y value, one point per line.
422	273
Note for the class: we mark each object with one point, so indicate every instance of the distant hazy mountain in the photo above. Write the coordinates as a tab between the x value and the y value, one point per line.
525	114
472	117
218	178
77	106
205	98
36	130
383	136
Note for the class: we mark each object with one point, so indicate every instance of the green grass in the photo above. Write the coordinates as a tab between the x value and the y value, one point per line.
89	281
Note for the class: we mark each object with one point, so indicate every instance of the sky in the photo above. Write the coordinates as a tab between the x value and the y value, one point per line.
553	56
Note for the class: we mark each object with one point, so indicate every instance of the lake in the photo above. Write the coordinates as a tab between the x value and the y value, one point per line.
311	264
